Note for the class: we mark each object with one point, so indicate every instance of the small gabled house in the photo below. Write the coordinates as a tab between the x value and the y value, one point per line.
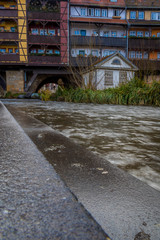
110	71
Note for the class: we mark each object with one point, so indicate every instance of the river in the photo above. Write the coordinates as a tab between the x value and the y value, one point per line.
126	136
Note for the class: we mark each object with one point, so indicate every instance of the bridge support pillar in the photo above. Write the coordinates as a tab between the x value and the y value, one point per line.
15	81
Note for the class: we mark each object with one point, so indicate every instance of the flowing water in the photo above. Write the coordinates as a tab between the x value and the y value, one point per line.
127	136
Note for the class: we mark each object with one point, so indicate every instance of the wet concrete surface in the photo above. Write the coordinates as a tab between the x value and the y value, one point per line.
123	205
34	202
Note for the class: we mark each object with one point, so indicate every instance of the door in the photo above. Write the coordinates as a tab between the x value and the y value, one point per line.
115	78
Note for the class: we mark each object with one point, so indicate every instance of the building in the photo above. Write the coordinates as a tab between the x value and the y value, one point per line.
143	19
110	72
97	28
39	39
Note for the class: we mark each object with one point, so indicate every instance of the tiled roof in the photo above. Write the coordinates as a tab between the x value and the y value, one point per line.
98	20
143	3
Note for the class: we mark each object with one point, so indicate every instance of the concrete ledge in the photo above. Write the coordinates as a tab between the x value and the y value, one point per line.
124	206
35	203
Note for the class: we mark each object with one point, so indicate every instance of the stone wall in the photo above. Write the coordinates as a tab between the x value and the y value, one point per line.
15	81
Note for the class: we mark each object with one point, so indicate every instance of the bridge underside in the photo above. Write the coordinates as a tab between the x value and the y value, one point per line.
29	79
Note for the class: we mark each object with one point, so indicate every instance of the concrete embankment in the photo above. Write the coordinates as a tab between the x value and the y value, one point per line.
34	202
125	207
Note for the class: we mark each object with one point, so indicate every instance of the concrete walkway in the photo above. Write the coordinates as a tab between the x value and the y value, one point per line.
34	202
125	207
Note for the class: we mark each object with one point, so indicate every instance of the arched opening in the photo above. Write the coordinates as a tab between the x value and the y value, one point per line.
53	80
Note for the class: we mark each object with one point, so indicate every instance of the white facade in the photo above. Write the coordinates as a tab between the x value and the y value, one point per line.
111	72
95	12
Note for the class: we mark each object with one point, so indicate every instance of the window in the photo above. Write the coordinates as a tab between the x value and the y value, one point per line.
58	32
105	53
10	50
49	51
113	0
12	6
155	15
146	34
95	33
94	53
116	12
12	29
104	13
106	33
33	51
2	7
16	50
111	52
132	14
158	55
34	31
132	33
139	34
97	12
139	55
158	34
141	15
145	55
51	32
40	51
1	29
81	53
83	11
77	32
83	32
91	12
116	62
2	50
113	34
57	52
43	32
132	54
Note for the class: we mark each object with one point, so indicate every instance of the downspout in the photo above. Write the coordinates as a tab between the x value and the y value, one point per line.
127	30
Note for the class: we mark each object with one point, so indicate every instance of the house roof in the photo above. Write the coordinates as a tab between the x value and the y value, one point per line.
103	60
106	59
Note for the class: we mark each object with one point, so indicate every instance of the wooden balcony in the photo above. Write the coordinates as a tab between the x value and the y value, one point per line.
147	65
83	61
98	41
44	16
144	43
44	60
8	57
8	36
8	13
42	39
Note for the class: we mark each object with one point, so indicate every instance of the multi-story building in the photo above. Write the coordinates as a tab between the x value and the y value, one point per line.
97	28
144	32
34	32
46	32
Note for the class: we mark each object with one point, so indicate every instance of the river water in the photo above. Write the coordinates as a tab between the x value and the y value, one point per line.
126	136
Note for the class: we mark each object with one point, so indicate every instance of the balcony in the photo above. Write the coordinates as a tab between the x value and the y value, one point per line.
144	44
8	35
8	13
147	65
9	57
42	39
38	15
44	60
98	41
83	61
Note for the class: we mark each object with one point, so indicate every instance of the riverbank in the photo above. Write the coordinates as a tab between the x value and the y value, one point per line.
135	92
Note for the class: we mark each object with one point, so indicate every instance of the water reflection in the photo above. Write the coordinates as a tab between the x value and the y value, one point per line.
126	136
